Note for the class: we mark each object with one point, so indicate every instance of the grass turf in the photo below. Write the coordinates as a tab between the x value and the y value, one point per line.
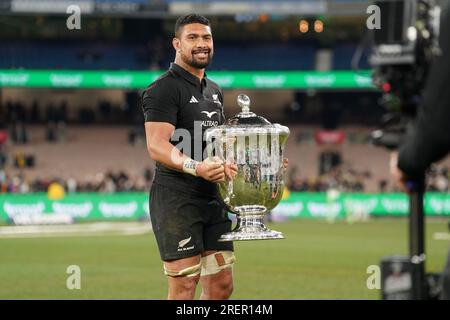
317	260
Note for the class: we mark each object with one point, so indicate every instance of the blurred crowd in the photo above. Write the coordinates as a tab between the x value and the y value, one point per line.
347	179
341	178
18	117
438	179
102	182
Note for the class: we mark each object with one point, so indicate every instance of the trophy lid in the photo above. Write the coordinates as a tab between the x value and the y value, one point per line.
251	122
246	117
247	123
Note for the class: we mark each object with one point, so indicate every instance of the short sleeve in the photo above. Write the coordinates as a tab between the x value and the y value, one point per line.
222	98
159	103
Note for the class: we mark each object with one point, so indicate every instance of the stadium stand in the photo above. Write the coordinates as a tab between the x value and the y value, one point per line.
71	56
121	166
80	161
255	57
88	56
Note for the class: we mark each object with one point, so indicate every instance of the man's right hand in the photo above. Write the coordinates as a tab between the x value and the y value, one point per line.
398	175
211	170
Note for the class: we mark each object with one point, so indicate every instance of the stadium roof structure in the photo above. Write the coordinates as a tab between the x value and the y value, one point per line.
177	7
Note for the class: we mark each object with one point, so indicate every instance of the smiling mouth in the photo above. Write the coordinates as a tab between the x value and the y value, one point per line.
201	53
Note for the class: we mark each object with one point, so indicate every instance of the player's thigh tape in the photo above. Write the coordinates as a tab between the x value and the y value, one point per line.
216	262
187	272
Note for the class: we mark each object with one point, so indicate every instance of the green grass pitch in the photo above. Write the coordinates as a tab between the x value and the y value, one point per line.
317	260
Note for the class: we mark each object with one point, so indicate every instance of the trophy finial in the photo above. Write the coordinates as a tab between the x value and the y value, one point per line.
244	102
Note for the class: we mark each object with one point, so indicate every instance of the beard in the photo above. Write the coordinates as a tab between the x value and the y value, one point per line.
195	62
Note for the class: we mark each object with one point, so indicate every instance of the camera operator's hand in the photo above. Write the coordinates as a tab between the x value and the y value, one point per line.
398	175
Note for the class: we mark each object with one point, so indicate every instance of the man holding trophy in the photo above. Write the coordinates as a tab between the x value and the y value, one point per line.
187	207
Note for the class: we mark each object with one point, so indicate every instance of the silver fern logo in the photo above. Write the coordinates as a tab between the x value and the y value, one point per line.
183	242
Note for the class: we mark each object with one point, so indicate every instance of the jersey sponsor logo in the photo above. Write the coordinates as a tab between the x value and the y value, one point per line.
193	100
209	123
209	114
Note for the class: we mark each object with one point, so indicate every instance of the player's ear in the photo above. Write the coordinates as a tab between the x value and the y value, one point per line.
176	44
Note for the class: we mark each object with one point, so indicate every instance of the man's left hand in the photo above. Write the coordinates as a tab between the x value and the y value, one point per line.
285	164
230	171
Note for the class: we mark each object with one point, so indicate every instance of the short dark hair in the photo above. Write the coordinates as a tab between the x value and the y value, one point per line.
188	19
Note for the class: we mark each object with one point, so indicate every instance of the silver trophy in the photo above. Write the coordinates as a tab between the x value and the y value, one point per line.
256	147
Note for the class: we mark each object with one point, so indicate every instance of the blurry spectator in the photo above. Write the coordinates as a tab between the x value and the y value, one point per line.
3	181
3	134
438	179
19	160
383	185
51	123
3	140
105	110
55	191
3	159
61	122
71	185
16	117
35	116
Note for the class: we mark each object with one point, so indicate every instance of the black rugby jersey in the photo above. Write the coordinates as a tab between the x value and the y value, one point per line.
192	106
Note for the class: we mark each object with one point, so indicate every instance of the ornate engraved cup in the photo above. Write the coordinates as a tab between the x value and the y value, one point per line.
256	147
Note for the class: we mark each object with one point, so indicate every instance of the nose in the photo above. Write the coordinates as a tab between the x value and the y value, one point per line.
201	43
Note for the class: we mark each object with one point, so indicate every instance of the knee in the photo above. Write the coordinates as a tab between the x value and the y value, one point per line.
184	289
223	288
189	284
227	290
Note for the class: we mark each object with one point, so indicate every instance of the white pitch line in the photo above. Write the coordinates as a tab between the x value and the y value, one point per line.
77	230
441	236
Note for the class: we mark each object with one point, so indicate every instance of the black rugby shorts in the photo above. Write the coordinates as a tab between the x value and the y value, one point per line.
186	225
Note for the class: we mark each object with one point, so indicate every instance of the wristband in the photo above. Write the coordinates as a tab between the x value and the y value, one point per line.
190	166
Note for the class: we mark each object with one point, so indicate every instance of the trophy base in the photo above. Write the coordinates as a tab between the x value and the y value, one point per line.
251	228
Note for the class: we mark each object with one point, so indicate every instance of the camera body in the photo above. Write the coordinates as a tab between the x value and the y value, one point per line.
402	52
